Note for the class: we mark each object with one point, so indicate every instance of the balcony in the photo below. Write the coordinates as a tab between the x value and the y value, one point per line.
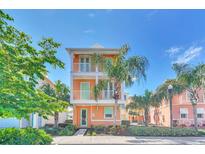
89	95
86	68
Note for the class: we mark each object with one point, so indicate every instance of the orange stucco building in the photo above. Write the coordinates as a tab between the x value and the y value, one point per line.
181	110
84	76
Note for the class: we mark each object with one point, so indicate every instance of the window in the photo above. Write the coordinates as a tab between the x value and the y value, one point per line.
200	112
109	91
199	115
108	111
84	90
183	112
85	64
183	115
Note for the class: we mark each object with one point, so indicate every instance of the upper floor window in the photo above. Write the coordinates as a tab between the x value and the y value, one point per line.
85	64
183	113
85	90
109	90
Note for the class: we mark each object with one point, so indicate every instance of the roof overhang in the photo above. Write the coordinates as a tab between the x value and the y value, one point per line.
93	50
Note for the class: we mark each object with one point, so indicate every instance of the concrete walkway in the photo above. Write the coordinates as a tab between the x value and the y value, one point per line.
127	140
80	132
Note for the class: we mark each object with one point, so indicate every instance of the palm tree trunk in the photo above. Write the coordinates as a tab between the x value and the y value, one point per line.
115	113
56	116
146	117
195	117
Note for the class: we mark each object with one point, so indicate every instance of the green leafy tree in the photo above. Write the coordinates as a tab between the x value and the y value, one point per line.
21	68
61	93
119	69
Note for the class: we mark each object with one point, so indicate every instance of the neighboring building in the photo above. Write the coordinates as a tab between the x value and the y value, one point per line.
182	111
83	77
136	115
35	120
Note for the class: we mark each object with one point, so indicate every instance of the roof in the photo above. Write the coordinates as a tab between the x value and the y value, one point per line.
104	50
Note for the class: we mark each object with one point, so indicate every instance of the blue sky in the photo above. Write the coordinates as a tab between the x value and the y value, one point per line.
163	36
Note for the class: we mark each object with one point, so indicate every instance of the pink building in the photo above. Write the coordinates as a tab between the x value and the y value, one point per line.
182	111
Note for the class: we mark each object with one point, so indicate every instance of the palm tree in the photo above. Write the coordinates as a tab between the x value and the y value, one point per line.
162	94
119	69
193	79
143	102
60	92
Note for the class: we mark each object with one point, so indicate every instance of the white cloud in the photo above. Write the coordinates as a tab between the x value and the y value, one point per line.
173	51
189	54
88	31
91	15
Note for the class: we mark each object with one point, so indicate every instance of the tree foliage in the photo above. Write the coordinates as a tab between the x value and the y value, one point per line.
144	103
120	69
21	67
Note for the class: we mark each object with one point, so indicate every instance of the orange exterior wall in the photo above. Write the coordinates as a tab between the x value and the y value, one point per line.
95	116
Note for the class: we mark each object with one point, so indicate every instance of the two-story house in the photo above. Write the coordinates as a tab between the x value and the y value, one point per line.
181	109
84	76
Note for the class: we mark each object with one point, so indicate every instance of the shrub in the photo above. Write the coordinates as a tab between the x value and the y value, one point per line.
62	125
99	129
161	131
113	130
125	122
51	130
67	131
26	136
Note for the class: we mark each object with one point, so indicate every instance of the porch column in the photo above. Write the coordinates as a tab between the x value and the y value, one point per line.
71	77
35	120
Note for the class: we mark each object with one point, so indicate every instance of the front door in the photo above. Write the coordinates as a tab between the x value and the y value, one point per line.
83	118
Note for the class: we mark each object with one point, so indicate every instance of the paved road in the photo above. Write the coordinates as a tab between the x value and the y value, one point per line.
127	140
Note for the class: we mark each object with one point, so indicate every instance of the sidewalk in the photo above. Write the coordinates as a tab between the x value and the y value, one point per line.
127	140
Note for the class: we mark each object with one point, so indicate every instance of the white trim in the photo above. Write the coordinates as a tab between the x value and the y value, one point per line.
103	102
105	120
71	77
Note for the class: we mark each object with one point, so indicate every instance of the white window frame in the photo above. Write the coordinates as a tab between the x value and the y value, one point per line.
187	96
187	114
85	56
108	89
203	113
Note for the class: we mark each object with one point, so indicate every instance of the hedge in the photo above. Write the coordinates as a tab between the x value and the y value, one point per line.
25	136
161	131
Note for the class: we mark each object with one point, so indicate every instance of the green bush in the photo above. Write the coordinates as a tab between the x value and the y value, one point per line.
68	130
98	129
114	130
51	130
26	136
125	123
161	131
